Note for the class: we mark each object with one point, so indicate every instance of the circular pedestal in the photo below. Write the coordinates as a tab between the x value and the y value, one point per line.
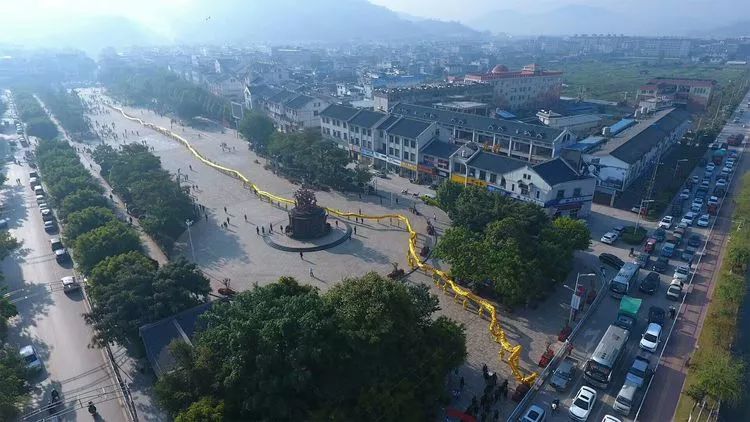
308	224
334	237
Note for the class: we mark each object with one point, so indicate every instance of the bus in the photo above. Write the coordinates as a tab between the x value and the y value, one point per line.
624	280
600	366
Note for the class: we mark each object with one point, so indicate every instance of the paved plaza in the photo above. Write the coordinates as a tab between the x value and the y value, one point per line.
240	253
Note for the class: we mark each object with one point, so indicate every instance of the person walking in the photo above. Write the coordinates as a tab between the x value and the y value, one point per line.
245	218
311	273
227	220
355	229
257	230
301	256
225	210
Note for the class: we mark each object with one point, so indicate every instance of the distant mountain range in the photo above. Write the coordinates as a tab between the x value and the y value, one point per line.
582	19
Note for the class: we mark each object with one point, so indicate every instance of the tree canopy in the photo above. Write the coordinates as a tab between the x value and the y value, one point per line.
85	220
257	129
503	248
148	190
68	108
368	349
129	290
13	389
111	239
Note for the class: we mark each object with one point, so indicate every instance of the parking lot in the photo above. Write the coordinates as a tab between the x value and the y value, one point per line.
669	358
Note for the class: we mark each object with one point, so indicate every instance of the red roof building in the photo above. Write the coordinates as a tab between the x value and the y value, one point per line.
528	88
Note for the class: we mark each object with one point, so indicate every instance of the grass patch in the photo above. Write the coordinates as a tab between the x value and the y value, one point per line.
715	372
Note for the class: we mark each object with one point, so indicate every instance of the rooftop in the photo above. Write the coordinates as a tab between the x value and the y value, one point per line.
495	163
408	128
340	112
298	101
440	149
556	171
366	118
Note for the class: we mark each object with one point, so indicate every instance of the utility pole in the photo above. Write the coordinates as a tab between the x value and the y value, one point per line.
190	237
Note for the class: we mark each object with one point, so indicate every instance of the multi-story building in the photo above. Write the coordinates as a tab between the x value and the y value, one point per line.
553	185
225	85
693	94
515	139
289	110
580	124
431	94
618	160
531	87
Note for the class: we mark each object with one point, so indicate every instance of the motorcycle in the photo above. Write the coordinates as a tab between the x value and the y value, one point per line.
92	409
54	400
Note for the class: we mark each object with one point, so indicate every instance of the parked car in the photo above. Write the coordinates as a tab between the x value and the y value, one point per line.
643	260
661	264
685	194
611	260
704	220
660	234
651	338
50	226
656	315
564	374
713	200
650	245
666	222
650	283
667	249
674	291
697	205
582	404
695	240
30	358
681	272
534	414
609	238
70	283
688	218
688	254
695	180
640	371
721	183
618	230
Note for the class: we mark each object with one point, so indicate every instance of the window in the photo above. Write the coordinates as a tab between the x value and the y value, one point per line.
369	144
397	152
413	157
345	136
537	194
406	155
482	175
513	187
413	143
390	138
493	178
390	151
315	113
577	192
356	129
472	172
561	194
369	132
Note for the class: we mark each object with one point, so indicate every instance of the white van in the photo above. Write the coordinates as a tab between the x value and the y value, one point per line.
38	190
625	398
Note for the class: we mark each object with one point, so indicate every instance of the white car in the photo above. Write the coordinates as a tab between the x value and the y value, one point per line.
688	218
704	220
710	166
681	272
70	284
610	418
609	238
713	200
685	194
697	205
28	354
582	404
674	291
666	222
721	183
651	338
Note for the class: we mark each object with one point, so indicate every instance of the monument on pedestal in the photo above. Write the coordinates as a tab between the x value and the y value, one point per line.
307	220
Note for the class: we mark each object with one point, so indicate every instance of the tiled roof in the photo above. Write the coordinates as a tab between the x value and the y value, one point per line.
408	128
385	124
298	101
477	122
264	91
636	145
440	149
556	171
158	335
282	97
336	111
366	118
494	163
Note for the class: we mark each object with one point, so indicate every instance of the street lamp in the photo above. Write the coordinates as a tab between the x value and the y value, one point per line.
190	237
640	208
575	299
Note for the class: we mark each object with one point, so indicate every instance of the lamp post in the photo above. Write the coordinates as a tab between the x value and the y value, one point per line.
575	299
638	220
190	237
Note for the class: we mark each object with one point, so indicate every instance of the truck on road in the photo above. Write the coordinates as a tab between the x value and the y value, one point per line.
628	314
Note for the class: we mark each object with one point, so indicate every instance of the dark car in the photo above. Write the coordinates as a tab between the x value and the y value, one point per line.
611	260
650	283
643	260
564	374
656	315
695	240
660	234
661	264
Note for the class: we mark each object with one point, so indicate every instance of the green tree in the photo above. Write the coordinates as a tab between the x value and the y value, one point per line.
111	239
257	129
13	389
721	377
575	232
8	244
204	410
368	349
447	195
85	220
41	127
80	200
129	291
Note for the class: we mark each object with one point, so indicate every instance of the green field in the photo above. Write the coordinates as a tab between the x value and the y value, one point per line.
611	79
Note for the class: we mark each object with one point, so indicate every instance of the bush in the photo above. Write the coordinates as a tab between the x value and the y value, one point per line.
633	237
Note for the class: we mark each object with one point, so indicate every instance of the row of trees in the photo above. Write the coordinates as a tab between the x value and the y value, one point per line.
33	115
368	349
716	370
149	191
504	248
163	91
127	289
69	111
305	157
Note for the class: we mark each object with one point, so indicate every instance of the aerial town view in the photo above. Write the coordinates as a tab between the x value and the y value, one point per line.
374	210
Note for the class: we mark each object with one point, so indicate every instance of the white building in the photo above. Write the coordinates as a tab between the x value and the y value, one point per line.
580	124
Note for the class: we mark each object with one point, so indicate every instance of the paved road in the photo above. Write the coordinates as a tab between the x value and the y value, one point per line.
49	319
661	402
